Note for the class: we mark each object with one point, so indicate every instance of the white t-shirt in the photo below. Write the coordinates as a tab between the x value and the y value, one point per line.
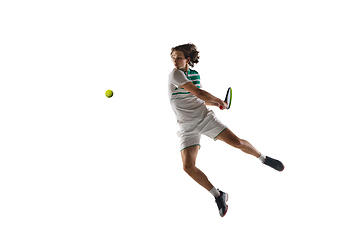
187	107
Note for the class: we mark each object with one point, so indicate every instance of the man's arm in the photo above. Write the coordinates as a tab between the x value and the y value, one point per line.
204	95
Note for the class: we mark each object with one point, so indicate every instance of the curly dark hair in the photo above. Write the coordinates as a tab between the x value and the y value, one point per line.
189	50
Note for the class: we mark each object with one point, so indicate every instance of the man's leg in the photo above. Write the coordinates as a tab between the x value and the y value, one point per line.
188	156
230	138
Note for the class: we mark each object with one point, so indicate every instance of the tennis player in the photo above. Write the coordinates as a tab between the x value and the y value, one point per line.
189	100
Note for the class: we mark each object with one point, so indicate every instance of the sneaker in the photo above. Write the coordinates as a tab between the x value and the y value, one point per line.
275	164
221	203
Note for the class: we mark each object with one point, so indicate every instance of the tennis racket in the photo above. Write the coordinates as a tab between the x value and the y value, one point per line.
228	98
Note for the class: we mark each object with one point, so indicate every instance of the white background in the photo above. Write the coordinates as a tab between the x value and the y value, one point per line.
77	165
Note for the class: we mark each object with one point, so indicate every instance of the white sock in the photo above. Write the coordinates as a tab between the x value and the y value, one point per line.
262	158
214	192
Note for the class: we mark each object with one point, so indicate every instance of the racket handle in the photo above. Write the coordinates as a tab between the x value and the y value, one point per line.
221	107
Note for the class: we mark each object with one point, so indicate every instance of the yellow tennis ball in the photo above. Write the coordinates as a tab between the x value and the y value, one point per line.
109	93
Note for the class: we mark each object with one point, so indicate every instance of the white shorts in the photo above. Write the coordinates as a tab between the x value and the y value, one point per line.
190	133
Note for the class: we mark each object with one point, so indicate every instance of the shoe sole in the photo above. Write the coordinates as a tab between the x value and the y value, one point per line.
225	211
226	199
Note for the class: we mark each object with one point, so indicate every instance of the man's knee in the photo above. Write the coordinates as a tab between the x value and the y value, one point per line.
188	166
238	143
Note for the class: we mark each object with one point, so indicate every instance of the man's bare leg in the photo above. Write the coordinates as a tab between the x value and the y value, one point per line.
230	138
189	159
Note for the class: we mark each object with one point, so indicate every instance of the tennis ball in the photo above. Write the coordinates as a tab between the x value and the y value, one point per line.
109	93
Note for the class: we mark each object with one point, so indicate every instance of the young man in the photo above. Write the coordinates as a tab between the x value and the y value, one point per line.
189	102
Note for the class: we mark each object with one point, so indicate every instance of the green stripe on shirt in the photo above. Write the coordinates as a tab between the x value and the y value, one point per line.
180	93
194	77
